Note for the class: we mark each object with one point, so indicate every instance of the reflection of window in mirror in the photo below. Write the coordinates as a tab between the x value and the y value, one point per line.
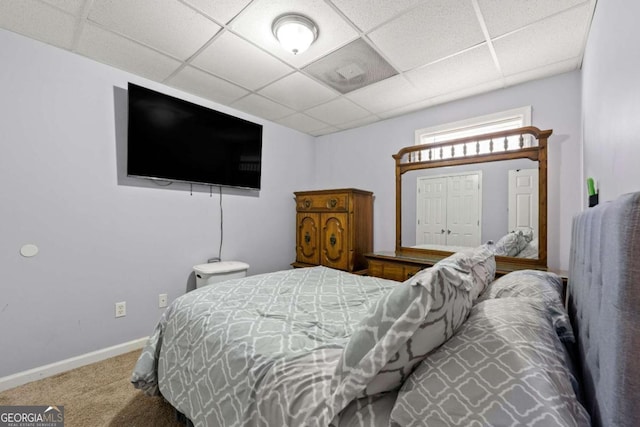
504	120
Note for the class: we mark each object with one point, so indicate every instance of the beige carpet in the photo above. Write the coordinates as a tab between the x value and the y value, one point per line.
96	395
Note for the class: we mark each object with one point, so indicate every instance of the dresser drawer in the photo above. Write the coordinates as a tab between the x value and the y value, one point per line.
322	202
392	270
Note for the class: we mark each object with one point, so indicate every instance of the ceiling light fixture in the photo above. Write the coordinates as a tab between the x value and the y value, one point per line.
295	32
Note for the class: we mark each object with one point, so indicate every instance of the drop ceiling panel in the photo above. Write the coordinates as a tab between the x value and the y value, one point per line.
117	51
386	95
298	91
74	7
519	13
262	107
224	50
360	122
546	42
166	25
39	21
240	62
205	85
468	91
303	123
222	11
255	25
324	131
338	111
427	33
469	68
544	71
406	109
368	15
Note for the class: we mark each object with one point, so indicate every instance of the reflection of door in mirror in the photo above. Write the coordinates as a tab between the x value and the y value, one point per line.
523	207
523	200
493	200
448	210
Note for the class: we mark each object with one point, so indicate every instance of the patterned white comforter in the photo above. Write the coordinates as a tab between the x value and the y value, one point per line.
257	351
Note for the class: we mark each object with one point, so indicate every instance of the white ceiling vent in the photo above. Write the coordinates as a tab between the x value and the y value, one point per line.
351	67
350	71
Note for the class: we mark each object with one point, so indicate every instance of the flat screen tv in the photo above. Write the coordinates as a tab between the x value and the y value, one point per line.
175	140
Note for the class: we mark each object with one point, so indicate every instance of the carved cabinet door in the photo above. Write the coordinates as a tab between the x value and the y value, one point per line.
307	246
334	240
334	228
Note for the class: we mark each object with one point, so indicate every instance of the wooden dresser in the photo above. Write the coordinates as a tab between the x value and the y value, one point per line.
389	265
334	228
401	266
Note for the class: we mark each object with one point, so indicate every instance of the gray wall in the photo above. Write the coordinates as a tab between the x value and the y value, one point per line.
104	238
362	157
611	99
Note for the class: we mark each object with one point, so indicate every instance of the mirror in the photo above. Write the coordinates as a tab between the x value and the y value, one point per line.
489	198
469	191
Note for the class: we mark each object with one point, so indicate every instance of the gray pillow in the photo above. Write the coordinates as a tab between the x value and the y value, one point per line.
512	243
530	251
540	285
527	232
400	330
480	261
505	366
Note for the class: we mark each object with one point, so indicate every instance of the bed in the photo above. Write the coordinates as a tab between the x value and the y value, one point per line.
451	346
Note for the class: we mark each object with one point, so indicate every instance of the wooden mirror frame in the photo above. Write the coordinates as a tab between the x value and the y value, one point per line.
410	158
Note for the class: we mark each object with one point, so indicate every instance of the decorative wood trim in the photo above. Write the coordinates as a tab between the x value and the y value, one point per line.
410	158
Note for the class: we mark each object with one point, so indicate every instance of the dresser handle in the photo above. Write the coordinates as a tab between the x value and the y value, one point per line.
307	203
307	237
333	240
333	203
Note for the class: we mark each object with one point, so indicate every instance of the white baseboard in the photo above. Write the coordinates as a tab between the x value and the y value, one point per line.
45	371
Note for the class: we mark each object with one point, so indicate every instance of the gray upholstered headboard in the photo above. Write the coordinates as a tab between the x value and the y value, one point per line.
604	303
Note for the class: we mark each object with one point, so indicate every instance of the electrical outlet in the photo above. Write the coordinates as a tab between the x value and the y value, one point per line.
121	309
162	300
